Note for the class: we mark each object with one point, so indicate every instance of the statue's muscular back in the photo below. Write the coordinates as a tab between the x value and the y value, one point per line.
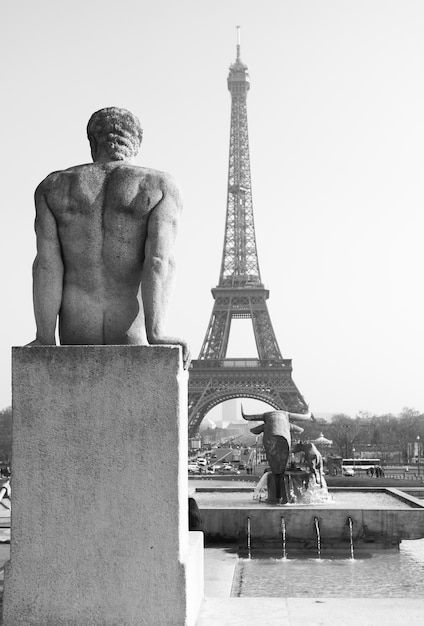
102	211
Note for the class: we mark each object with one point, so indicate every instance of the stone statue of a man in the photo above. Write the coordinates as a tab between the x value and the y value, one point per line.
105	238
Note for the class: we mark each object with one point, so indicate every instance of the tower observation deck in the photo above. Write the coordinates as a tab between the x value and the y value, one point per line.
240	293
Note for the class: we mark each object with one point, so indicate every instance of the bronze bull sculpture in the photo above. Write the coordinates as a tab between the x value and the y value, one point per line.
313	459
276	429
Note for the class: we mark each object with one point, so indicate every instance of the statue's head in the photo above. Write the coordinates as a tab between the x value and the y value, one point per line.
115	131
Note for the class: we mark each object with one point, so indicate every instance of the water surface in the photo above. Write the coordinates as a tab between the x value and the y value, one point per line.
339	499
379	574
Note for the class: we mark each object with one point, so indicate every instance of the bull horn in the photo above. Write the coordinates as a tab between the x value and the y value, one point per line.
296	429
301	417
252	418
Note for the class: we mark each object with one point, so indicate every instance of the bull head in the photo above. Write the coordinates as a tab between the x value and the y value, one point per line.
276	427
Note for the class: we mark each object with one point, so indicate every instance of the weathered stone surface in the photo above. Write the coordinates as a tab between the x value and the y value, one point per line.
99	519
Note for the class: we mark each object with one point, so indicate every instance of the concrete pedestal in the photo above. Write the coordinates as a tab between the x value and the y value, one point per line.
99	515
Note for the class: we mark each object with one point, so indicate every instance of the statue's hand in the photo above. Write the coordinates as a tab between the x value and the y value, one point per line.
174	341
186	355
38	342
186	352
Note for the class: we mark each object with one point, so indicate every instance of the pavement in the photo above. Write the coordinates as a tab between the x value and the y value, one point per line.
310	611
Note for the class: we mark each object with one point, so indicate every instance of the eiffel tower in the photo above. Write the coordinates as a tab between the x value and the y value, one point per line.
240	294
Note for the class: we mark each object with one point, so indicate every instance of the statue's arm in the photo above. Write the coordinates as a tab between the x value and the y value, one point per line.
159	267
47	272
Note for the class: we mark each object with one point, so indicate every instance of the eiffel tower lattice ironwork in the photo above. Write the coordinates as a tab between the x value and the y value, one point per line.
240	294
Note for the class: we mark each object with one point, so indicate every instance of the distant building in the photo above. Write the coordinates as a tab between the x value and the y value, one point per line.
230	410
194	443
207	424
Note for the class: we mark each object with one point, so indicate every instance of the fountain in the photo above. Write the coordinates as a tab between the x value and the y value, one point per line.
379	517
316	524
301	488
283	537
337	539
350	524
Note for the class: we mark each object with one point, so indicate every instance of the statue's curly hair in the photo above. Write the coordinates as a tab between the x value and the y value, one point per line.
118	130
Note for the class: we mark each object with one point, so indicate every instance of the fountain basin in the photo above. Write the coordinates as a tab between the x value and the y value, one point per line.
266	575
391	516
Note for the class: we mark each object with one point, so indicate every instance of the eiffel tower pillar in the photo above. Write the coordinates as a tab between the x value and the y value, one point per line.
240	293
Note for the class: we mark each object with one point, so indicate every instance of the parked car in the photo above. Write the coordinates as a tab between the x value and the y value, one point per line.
219	466
193	468
201	461
228	470
348	471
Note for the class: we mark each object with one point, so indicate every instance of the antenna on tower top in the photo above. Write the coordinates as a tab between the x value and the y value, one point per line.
238	43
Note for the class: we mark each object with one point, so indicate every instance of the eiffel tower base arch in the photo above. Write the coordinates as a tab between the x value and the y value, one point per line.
213	382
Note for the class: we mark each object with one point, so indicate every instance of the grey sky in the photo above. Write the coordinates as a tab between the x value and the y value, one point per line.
336	131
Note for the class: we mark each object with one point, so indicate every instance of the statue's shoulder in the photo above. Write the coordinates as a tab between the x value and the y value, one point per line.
155	176
57	178
157	180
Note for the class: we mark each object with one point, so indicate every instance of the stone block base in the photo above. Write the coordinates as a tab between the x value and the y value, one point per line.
99	513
